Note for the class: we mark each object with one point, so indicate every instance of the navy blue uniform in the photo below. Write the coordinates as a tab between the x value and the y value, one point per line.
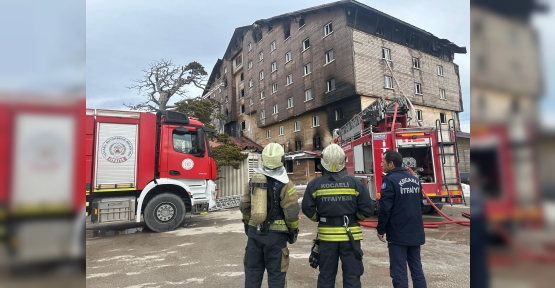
400	218
327	200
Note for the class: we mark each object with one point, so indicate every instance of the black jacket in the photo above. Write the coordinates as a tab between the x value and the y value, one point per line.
401	207
316	206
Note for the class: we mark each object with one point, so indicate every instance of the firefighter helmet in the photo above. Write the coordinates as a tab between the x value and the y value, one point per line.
333	158
272	156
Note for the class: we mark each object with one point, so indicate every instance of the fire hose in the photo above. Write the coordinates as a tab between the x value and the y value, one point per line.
374	223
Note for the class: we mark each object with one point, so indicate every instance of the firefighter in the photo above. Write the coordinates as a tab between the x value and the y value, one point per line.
400	218
337	201
270	211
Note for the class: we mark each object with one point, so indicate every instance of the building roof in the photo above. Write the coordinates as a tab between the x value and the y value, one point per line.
303	155
246	143
460	134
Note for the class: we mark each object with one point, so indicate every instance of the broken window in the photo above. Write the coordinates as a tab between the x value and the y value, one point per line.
338	114
317	142
243	125
298	145
301	22
241	77
242	93
289	166
242	108
286	31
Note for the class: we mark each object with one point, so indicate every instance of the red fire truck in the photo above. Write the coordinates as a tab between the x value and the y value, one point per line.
156	165
431	152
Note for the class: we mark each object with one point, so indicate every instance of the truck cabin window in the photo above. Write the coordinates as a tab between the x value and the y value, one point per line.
185	143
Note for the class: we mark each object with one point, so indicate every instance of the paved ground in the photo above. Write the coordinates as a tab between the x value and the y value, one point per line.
208	252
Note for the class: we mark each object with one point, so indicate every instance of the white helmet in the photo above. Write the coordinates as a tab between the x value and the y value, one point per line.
272	156
333	158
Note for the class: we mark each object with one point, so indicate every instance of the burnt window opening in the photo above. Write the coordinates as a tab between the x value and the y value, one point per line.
242	108
242	93
301	22
243	125
241	77
442	118
298	145
317	165
286	31
379	31
317	143
338	114
270	27
289	166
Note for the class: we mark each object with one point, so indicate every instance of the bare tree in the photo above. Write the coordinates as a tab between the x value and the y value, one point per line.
163	80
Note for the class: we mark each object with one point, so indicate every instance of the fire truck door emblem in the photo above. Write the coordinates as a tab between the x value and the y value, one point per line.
188	164
117	149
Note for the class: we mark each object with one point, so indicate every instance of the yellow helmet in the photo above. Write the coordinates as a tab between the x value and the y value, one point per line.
272	156
333	158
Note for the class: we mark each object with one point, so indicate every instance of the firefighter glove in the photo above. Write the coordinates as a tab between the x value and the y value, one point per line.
293	233
313	259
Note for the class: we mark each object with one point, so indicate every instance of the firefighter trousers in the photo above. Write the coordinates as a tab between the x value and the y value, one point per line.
266	252
399	257
328	258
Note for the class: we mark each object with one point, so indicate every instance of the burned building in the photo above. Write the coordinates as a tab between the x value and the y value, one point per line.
295	77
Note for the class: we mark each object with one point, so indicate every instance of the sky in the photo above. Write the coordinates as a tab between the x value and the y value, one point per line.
123	37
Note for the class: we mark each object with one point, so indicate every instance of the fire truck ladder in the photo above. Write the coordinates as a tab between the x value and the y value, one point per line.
448	147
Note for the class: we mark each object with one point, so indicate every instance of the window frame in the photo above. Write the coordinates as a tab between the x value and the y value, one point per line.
329	57
307	69
262	95
276	109
273	46
305	47
339	114
288	57
386	54
263	114
315	121
440	70
419	115
390	82
289	79
442	94
417	86
261	56
330	85
305	95
268	134
417	62
443	118
290	103
328	31
261	75
281	131
274	67
274	88
297	126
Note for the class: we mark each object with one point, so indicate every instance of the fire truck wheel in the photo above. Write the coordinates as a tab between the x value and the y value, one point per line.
427	209
164	212
433	210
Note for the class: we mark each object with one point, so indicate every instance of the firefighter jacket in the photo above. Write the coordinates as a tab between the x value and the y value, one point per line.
401	207
329	198
283	206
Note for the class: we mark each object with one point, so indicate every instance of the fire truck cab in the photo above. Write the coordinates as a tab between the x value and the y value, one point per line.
156	165
430	152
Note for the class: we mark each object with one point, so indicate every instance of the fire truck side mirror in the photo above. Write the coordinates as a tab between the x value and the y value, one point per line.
200	142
